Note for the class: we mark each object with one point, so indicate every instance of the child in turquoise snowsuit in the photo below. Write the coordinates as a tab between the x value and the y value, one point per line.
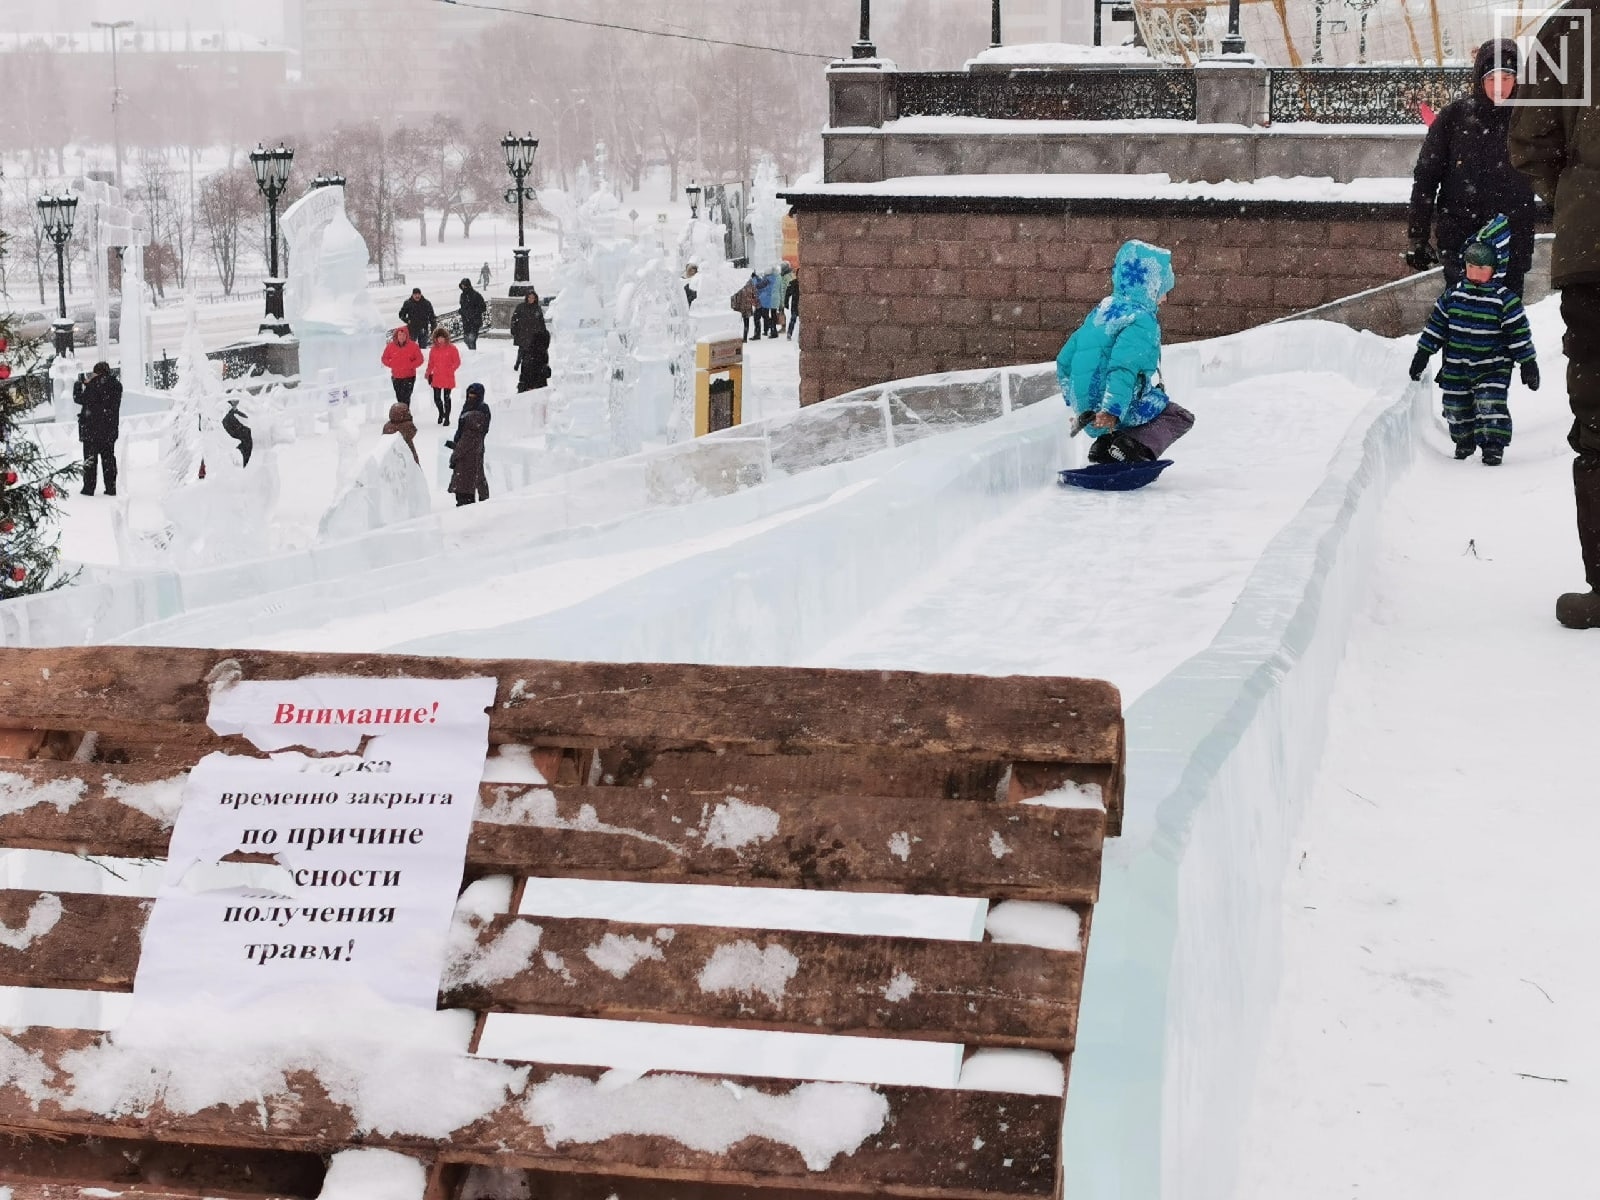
1110	369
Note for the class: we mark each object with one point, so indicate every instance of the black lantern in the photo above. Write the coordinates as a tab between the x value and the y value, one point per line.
272	177
322	181
55	214
519	153
693	192
864	47
1233	43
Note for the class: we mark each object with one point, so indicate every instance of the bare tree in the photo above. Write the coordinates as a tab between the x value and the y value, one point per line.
227	201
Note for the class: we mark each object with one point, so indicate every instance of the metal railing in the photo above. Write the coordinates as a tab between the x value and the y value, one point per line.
1086	94
1363	95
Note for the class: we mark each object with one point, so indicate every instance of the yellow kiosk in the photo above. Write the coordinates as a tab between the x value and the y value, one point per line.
718	384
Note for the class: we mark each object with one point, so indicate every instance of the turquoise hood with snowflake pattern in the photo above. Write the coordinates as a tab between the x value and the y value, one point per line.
1110	364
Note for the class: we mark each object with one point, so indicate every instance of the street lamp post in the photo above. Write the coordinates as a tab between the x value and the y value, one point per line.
56	213
994	24
693	193
864	48
519	153
111	28
272	177
1233	43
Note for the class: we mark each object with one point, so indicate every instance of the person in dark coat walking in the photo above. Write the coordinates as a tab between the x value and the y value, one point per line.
1464	175
532	337
1555	142
473	308
483	276
468	482
746	302
417	313
98	424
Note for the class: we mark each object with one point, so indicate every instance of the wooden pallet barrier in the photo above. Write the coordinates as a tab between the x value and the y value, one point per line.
853	763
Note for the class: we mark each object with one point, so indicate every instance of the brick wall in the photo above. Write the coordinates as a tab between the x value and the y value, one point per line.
889	295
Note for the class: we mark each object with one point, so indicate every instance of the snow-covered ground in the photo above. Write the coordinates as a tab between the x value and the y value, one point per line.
1433	1035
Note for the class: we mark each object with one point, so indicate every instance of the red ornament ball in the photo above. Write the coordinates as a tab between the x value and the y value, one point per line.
11	476
7	526
4	345
18	574
5	371
48	491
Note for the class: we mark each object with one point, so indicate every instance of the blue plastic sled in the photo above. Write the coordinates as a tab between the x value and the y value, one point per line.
1115	477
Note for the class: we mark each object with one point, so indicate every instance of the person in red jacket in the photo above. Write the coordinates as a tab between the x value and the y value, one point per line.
444	360
403	357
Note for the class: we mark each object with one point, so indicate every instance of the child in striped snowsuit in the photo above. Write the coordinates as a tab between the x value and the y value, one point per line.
1482	328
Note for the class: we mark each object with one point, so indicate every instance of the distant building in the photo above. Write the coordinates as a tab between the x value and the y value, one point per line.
390	57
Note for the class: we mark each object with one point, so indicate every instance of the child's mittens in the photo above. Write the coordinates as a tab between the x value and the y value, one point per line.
1419	364
1530	375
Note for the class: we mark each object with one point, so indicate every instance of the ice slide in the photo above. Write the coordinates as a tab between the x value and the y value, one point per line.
959	553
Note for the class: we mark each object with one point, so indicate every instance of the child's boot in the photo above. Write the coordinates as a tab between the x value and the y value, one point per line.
1465	450
1492	456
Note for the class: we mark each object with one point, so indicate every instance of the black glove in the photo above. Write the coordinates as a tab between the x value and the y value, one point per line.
1421	257
1419	364
1530	375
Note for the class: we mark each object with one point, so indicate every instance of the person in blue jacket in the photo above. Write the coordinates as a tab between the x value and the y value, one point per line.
767	298
1110	369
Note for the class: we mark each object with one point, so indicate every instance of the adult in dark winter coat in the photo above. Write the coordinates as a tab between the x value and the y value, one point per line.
99	420
791	299
468	482
417	313
532	337
473	308
1557	145
1464	175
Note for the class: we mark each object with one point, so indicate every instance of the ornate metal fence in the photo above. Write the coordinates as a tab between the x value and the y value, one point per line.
1364	95
1084	94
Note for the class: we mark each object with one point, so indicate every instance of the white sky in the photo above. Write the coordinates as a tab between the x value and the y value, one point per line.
263	17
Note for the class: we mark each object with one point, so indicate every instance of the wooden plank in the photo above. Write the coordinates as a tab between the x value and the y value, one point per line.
980	993
58	1166
653	835
938	1145
659	706
867	772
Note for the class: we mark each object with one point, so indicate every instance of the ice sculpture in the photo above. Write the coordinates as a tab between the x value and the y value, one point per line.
326	301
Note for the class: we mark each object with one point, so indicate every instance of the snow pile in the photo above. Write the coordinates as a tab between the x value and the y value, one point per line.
19	793
747	969
42	918
901	987
1061	54
1070	795
512	764
160	798
388	487
1121	187
820	1120
373	1175
1017	1072
397	1071
616	956
1031	923
736	824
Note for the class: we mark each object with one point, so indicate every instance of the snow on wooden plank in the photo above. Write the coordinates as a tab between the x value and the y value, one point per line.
980	993
761	709
650	835
820	1137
